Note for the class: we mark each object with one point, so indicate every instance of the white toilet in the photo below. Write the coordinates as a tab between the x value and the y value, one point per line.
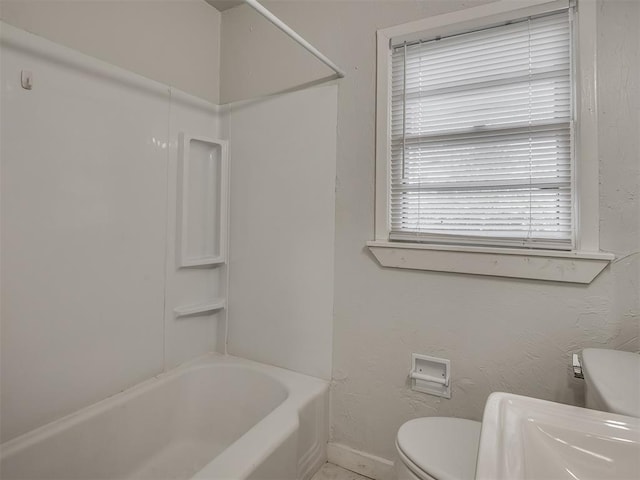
443	448
437	448
612	381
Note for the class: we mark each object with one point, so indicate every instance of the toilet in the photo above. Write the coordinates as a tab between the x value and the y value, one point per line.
612	379
443	448
437	448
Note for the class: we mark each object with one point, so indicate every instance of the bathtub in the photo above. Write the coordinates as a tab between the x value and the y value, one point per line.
218	417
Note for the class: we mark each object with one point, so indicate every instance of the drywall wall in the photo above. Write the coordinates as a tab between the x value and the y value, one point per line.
176	42
87	157
283	164
500	334
258	59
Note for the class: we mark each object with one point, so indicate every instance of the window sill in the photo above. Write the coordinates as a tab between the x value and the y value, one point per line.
551	265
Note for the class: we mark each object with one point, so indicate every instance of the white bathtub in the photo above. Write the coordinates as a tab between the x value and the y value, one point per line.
218	417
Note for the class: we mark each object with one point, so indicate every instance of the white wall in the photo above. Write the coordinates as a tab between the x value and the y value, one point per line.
283	152
87	195
176	42
501	335
188	337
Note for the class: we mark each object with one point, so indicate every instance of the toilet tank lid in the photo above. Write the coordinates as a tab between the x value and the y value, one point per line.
615	375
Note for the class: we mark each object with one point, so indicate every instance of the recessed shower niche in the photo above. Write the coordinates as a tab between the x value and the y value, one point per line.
201	223
202	201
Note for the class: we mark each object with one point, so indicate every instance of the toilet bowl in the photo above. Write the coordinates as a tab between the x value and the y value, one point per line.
437	448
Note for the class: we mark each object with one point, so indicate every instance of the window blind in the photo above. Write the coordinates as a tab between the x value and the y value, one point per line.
481	137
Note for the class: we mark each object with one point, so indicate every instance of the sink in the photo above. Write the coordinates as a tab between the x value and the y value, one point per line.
528	438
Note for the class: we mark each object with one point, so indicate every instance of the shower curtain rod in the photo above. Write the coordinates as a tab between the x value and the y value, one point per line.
289	31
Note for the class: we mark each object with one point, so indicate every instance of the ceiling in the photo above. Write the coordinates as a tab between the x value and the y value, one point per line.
223	5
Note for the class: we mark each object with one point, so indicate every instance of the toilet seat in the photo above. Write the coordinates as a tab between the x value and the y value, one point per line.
406	470
440	447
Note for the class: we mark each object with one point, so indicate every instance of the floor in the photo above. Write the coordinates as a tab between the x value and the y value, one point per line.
329	471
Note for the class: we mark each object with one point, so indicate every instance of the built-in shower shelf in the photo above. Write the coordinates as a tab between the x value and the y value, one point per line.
203	183
203	262
198	310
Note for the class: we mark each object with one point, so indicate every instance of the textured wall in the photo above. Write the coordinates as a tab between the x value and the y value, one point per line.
176	42
500	334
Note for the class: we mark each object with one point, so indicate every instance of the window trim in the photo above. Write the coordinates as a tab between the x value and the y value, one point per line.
586	174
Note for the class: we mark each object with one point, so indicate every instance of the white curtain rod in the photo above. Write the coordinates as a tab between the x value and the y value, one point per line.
289	31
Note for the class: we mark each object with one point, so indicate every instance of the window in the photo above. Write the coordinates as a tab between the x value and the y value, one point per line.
479	135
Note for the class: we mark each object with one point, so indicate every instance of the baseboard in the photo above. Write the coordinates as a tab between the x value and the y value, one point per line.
360	462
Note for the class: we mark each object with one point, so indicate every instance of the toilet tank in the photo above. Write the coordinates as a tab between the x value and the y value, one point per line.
612	381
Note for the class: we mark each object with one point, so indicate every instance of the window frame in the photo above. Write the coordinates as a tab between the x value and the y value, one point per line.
585	261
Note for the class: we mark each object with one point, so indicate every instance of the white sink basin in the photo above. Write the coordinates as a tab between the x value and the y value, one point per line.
527	438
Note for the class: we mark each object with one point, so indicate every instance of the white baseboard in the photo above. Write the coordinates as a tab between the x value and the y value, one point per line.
360	462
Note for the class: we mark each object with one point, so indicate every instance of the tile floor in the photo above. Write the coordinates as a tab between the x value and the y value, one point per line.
329	471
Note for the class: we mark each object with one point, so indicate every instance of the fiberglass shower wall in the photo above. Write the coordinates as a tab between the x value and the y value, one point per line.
91	279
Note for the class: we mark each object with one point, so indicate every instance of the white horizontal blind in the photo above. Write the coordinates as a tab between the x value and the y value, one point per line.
481	142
